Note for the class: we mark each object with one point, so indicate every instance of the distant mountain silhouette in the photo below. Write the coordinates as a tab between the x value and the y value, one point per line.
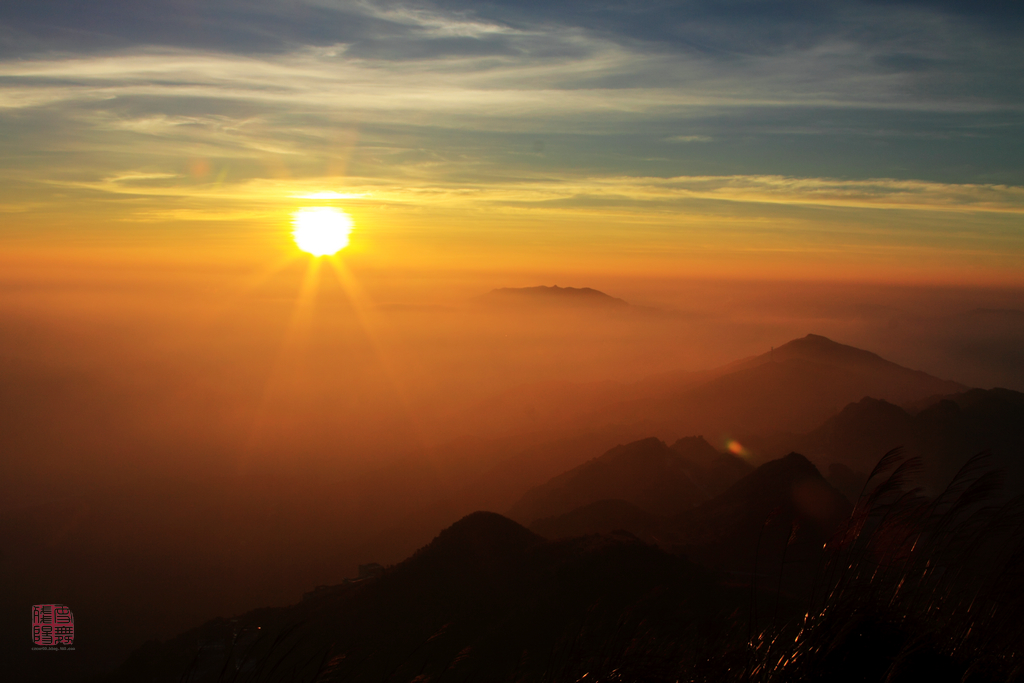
549	429
945	433
483	541
819	349
553	296
803	509
793	388
648	474
790	492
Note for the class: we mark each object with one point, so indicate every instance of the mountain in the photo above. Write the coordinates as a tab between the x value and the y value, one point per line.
486	600
648	474
785	503
819	349
793	388
785	392
715	471
944	433
584	297
260	550
489	599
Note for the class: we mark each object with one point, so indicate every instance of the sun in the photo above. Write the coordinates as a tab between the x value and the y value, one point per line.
321	230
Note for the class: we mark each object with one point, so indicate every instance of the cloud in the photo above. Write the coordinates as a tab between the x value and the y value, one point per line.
449	98
331	194
690	138
629	192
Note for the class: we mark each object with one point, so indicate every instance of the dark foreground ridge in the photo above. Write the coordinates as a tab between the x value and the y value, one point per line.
486	600
895	588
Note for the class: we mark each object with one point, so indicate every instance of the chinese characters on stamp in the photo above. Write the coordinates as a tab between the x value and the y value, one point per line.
52	625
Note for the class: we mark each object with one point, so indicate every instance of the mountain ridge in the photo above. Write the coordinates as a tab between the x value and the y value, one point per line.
553	295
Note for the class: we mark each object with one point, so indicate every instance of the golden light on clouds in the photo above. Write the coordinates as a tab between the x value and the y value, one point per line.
321	230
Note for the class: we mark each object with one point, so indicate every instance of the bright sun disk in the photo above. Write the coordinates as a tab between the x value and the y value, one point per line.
321	230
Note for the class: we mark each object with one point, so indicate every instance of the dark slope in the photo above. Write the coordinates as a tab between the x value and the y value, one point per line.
964	424
604	517
723	532
788	489
486	600
944	434
489	600
647	473
770	525
847	445
868	426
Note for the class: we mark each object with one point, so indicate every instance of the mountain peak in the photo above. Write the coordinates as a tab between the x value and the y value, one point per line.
554	295
482	533
792	482
819	348
652	446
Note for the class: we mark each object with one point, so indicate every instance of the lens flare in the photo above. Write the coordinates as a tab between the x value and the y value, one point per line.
321	230
736	448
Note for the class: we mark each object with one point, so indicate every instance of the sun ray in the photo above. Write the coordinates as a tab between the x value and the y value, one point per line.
358	299
248	285
291	347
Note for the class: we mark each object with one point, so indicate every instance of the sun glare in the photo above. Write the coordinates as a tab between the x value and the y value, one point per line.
321	230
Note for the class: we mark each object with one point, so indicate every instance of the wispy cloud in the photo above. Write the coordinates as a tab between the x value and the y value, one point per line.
689	138
577	192
637	109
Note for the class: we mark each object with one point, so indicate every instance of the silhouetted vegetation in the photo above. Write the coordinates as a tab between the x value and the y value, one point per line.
911	588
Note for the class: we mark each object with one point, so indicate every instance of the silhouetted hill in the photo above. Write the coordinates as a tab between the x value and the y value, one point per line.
484	541
646	473
821	349
784	509
486	600
860	434
793	389
553	296
793	484
944	434
810	380
724	531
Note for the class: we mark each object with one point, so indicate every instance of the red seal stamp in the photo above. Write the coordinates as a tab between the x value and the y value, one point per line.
52	625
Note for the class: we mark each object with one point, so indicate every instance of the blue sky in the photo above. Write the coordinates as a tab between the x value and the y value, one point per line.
159	110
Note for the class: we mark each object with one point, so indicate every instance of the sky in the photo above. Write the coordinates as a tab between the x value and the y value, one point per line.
837	140
744	172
